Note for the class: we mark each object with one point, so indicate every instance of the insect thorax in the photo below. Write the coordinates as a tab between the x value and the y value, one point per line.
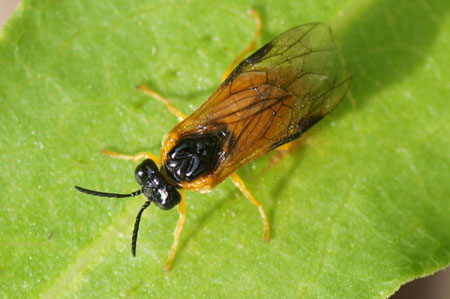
193	157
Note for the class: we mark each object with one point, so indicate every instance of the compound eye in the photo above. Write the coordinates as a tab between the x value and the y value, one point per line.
145	171
140	175
166	197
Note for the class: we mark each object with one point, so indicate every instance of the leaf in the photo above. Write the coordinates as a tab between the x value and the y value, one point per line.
361	207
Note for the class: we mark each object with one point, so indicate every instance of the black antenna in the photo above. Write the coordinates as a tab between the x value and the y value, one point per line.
136	228
105	194
117	195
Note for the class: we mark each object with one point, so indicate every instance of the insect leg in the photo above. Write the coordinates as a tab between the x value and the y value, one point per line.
250	47
283	150
178	229
240	184
180	115
287	147
136	158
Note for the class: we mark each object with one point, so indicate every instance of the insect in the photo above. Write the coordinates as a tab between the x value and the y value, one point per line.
269	99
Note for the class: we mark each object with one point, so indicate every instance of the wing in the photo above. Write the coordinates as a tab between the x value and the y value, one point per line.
273	96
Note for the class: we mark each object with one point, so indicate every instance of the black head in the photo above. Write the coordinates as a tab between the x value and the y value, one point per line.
193	157
155	188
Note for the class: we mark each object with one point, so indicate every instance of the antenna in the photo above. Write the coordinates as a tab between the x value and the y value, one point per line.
117	195
136	228
105	194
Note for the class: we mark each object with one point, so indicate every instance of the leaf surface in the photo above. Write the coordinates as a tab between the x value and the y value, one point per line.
361	207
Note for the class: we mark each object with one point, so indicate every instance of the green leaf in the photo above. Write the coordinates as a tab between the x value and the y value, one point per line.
361	207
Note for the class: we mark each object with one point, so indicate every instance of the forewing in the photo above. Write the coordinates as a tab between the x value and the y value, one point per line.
274	95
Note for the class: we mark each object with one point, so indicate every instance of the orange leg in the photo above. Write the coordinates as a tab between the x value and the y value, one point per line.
136	158
180	115
178	229
250	47
280	153
285	147
240	184
284	150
